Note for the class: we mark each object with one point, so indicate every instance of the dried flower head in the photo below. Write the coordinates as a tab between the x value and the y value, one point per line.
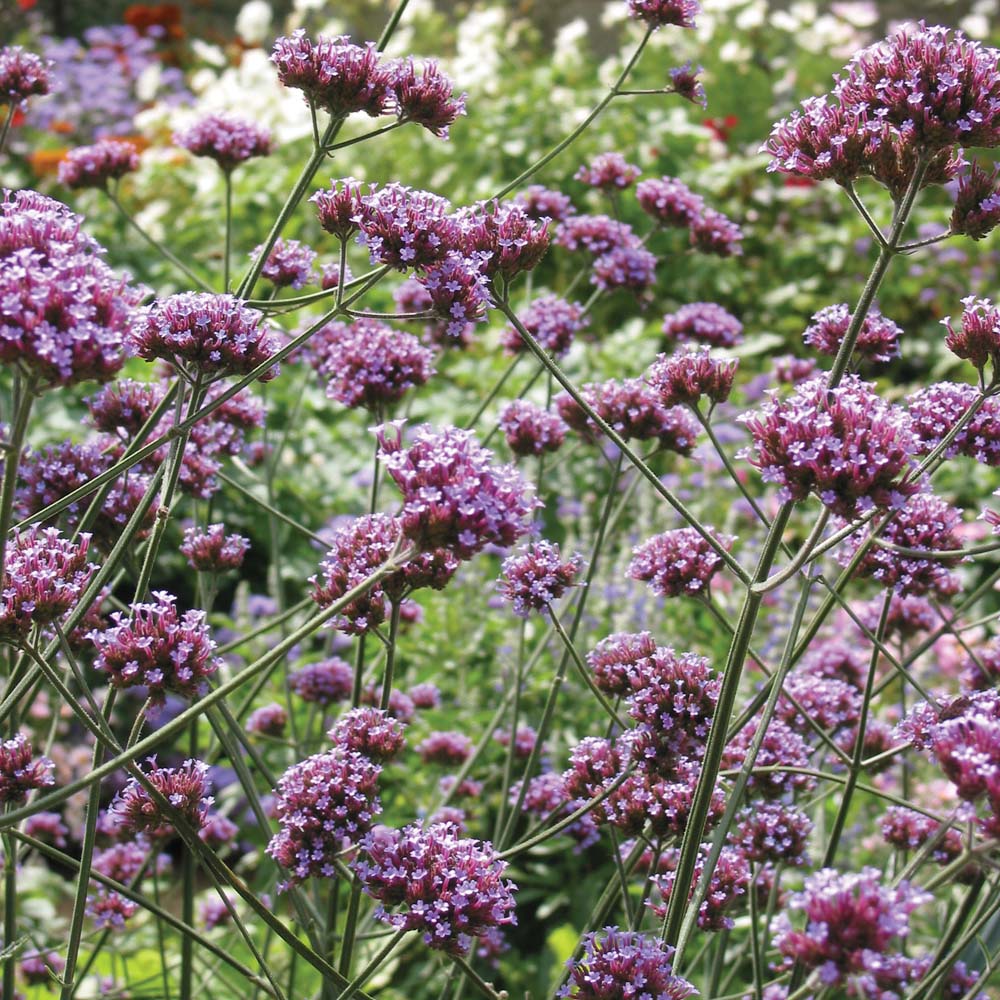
661	13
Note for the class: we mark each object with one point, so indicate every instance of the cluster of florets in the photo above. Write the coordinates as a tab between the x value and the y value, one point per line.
268	720
47	827
109	910
20	771
426	694
595	234
715	233
157	648
503	237
38	968
185	789
877	341
678	563
93	166
982	670
783	748
847	445
686	83
977	203
907	617
925	523
65	312
593	764
542	203
369	364
426	97
727	887
289	263
830	702
851	921
405	228
536	576
44	575
126	860
978	337
531	430
682	378
325	682
452	887
608	172
669	201
615	964
546	797
790	370
909	830
321	803
619	658
339	206
703	323
552	321
661	13
525	739
372	732
212	550
447	748
632	409
212	335
227	140
773	833
22	75
662	803
459	295
454	497
631	268
936	409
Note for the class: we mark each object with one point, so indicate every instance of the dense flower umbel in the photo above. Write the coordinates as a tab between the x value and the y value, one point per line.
185	787
831	703
324	683
540	203
459	295
426	97
624	965
322	802
212	335
453	888
454	497
157	648
43	578
878	340
334	74
338	207
909	830
370	364
609	172
227	140
928	523
660	13
596	234
93	166
977	203
22	75
619	658
936	409
977	338
546	797
687	375
109	910
552	321
268	720
289	263
677	563
47	827
773	832
503	237
705	323
535	576
715	233
530	430
783	747
852	920
669	201
727	887
371	732
212	550
631	268
847	445
448	748
405	228
20	772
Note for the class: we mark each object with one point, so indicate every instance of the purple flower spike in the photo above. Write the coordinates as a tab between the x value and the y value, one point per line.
338	207
669	201
371	732
325	682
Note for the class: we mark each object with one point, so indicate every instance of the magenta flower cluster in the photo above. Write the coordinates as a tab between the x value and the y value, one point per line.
23	74
21	771
226	139
678	563
878	339
185	789
93	166
530	430
536	576
682	378
552	321
608	172
703	323
213	551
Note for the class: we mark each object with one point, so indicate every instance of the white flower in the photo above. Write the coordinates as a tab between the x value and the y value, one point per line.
253	22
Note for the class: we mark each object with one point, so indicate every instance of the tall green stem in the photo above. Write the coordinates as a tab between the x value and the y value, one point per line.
24	397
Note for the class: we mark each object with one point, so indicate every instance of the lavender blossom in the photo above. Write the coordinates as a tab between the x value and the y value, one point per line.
93	166
323	683
704	323
185	788
552	321
22	75
683	377
536	576
426	97
608	172
20	771
212	550
530	430
678	563
371	732
228	140
878	340
289	263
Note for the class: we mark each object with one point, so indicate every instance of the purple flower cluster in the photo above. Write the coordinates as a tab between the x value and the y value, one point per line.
595	234
268	720
157	648
783	747
212	550
227	140
109	910
530	430
608	172
213	335
773	833
631	268
371	732
536	576
830	702
683	377
552	321
459	295
323	804
977	339
713	232
185	788
23	74
678	563
977	203
878	340
37	968
548	798
405	228
289	263
20	771
503	237
447	748
936	409
661	13
426	97
339	206
727	887
452	887
93	166
541	203
323	683
847	445
909	830
619	658
703	323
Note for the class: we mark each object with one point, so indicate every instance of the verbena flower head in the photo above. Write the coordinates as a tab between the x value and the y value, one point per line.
157	648
790	370
847	445
631	268
661	13
608	172
426	97
593	764
323	804
212	550
830	702
371	732
977	338
458	290
714	233
878	340
686	83
682	378
926	522
339	206
664	804
934	411
452	887
228	140
530	430
783	747
596	234
43	578
619	658
20	771
908	616
982	671
335	74
370	364
268	720
93	166
213	335
552	321
536	576
425	695
703	323
909	830
447	748
22	75
728	886
454	497
669	201
185	788
678	563
109	910
540	203
405	228
773	833
38	967
852	921
503	237
289	263
624	965
977	203
47	827
325	682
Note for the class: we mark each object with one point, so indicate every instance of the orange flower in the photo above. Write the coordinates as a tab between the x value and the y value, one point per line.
144	16
46	161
